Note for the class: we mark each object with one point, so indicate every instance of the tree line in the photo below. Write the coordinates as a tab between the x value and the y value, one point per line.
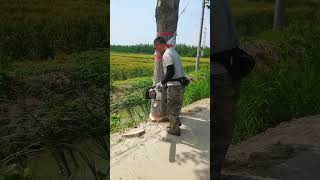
182	49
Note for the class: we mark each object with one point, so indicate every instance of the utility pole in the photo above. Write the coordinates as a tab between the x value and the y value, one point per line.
279	13
200	35
203	41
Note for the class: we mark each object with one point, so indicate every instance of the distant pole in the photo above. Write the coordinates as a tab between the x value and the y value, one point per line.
203	41
200	36
279	13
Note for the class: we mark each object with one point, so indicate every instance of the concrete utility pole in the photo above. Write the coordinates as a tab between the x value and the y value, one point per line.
200	35
166	19
203	41
279	15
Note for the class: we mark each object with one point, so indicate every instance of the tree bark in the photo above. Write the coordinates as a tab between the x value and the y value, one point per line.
279	15
166	19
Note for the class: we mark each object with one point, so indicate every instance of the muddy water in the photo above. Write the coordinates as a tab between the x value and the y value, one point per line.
44	167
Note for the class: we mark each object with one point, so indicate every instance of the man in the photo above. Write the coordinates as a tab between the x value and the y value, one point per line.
225	89
173	69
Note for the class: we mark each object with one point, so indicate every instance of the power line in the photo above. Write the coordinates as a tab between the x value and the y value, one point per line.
185	8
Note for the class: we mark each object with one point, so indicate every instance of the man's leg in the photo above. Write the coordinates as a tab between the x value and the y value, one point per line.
164	109
225	95
174	102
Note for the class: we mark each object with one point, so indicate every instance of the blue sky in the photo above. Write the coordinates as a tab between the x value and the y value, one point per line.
132	23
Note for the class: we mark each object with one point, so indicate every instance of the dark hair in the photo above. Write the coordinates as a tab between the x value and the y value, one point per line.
160	40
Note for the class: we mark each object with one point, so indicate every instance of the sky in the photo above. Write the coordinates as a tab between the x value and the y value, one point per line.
133	22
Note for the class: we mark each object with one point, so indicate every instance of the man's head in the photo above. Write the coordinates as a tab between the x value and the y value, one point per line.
160	44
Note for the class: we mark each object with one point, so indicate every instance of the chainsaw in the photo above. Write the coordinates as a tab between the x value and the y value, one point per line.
153	93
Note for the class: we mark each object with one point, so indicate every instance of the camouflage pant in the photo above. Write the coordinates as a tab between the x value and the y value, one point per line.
225	94
174	102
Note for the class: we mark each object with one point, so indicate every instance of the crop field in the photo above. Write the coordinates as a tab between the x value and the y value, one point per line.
41	29
129	65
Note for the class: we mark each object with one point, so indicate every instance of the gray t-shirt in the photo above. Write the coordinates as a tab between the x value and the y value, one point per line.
224	31
170	57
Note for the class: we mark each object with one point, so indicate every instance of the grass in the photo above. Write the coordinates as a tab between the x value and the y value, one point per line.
129	108
58	103
280	94
53	69
199	89
287	88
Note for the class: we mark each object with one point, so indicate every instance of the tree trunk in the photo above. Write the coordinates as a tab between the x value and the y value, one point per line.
279	15
166	19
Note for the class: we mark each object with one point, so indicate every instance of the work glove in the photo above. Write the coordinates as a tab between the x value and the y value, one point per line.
159	86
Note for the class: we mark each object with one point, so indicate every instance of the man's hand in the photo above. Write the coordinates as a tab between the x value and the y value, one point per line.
190	78
159	86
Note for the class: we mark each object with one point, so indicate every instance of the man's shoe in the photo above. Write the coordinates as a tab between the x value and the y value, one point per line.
174	131
169	125
179	121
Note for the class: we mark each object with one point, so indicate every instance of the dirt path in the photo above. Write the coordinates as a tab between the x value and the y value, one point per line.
290	151
159	156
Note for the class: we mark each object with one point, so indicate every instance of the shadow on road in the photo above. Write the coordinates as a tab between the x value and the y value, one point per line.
195	133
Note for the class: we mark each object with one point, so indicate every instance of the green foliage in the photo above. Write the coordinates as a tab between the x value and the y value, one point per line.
129	107
288	89
65	103
52	104
15	173
280	94
199	89
114	122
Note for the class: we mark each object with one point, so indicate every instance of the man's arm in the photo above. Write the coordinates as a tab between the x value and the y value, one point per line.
169	74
